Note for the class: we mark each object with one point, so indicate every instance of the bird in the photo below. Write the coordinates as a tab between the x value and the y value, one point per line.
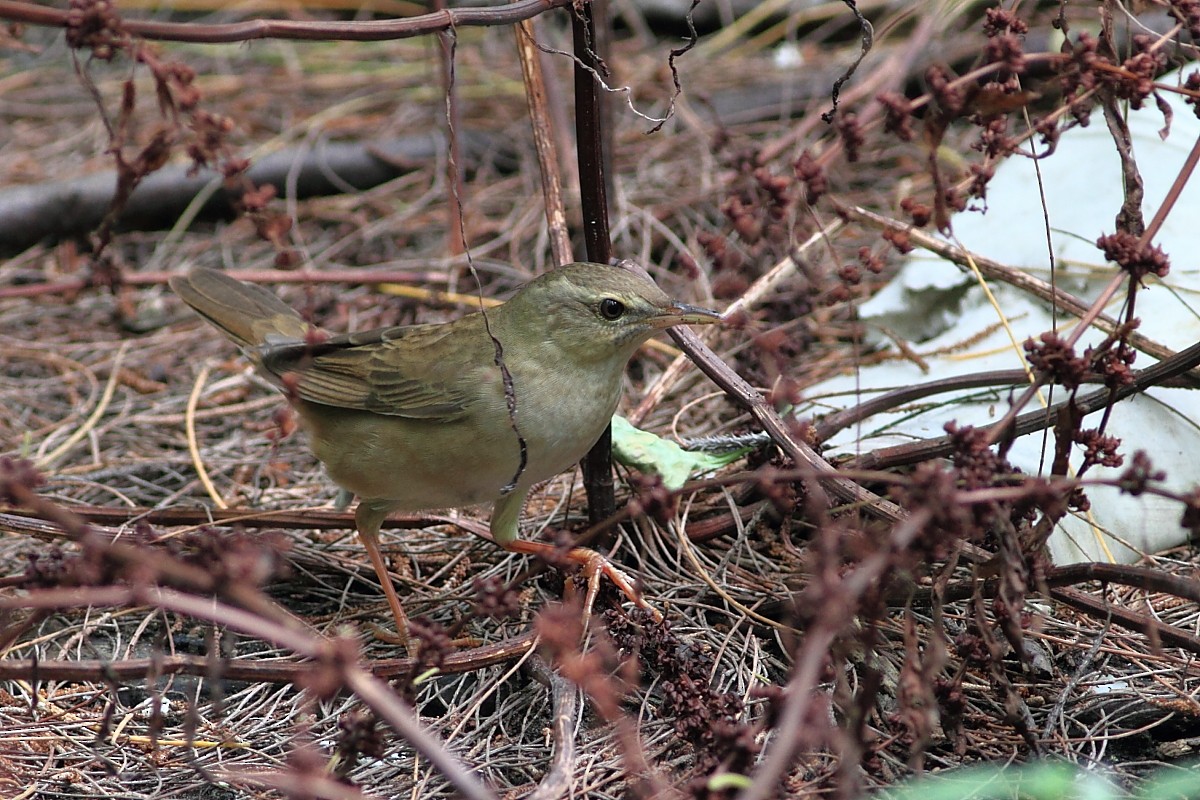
460	413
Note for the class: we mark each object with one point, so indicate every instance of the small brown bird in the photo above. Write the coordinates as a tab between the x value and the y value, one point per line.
470	411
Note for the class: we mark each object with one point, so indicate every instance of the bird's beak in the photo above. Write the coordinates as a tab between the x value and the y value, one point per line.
684	314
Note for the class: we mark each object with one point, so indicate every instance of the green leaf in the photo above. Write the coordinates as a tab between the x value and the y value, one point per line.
651	454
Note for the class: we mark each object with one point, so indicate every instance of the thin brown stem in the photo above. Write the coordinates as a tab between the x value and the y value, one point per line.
249	30
542	122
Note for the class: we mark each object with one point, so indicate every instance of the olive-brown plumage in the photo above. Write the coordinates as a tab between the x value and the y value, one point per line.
470	411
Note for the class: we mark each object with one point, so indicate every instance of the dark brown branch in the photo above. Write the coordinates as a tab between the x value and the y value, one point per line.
1058	579
1169	635
831	424
15	520
1173	367
838	421
557	782
748	398
249	30
242	669
597	464
1146	578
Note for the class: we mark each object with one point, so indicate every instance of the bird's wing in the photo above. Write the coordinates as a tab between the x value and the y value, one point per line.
403	371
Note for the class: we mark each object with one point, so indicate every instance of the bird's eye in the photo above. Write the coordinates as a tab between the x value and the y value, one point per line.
611	309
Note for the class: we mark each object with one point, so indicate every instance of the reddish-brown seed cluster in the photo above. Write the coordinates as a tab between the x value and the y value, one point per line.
708	719
1098	449
1078	78
1052	356
1113	360
898	119
233	558
1190	520
898	239
652	498
433	643
870	261
1192	85
50	567
17	473
977	463
1135	83
918	212
1009	51
95	25
208	145
947	94
494	598
851	133
1139	474
809	172
358	734
1128	252
1187	14
721	254
326	679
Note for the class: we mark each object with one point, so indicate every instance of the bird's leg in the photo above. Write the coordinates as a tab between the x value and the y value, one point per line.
504	531
368	517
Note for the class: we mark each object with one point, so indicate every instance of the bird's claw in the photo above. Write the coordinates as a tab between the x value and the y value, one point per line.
594	566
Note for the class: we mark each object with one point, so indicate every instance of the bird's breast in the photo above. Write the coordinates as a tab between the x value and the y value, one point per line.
561	412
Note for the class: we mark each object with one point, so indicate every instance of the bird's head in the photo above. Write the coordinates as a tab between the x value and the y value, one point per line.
596	312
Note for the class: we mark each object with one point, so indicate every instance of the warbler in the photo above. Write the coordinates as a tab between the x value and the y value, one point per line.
455	414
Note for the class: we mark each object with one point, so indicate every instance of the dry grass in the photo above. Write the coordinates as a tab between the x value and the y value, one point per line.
96	385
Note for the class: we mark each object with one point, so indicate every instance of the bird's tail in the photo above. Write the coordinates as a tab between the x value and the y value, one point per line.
246	313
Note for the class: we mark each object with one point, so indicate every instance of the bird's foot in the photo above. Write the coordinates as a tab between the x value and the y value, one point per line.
594	566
